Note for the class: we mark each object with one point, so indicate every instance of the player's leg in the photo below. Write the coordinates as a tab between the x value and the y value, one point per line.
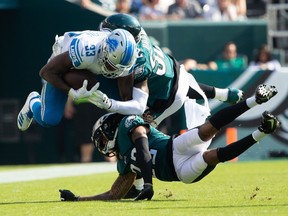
198	136
268	125
52	107
227	115
193	169
46	110
229	95
25	115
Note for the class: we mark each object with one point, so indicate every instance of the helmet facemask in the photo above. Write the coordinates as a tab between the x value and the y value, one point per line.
117	54
103	144
105	132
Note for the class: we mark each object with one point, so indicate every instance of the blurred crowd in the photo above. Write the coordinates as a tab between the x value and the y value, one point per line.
212	10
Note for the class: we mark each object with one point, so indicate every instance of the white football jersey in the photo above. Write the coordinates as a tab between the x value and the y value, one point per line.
83	47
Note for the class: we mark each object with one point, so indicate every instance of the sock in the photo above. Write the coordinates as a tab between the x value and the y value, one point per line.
251	102
139	184
228	114
221	94
235	149
208	90
32	102
258	135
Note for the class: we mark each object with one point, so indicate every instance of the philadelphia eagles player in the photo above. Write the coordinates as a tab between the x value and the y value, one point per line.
184	158
168	84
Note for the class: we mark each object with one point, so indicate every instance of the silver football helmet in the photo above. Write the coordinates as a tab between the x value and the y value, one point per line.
117	54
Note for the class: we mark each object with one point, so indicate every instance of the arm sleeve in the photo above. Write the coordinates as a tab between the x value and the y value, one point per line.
136	106
143	158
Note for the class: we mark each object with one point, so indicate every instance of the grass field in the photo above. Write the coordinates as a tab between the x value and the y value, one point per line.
243	188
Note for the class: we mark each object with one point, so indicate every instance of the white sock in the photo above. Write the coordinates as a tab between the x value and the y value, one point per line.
251	102
258	135
33	101
221	94
139	184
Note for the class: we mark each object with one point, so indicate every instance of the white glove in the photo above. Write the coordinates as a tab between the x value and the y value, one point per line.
82	95
101	100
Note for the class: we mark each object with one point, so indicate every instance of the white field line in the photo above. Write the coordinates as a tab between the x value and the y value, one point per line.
55	171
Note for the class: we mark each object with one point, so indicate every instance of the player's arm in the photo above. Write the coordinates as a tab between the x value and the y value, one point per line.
125	87
118	190
143	157
136	105
139	136
53	70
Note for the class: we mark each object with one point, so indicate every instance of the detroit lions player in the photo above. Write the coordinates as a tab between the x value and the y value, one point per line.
184	158
110	54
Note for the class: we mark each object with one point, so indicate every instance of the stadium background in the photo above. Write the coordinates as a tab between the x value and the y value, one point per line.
28	28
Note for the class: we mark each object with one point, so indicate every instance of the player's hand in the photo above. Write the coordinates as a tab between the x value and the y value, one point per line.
81	95
100	100
67	195
146	193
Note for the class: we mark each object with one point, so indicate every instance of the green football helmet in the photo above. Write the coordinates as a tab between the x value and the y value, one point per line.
121	20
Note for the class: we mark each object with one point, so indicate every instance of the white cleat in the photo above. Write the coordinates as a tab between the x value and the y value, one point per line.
25	116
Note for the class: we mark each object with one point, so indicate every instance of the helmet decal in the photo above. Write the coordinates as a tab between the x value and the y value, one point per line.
113	44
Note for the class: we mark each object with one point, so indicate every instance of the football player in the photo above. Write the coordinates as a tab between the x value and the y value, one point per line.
184	158
168	84
161	76
110	54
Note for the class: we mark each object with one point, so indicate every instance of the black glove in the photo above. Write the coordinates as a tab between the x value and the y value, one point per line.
146	193
67	195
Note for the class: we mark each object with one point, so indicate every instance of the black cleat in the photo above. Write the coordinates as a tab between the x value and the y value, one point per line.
132	193
146	193
265	93
269	123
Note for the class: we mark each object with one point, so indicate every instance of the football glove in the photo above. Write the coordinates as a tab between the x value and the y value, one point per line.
67	195
81	95
146	193
101	100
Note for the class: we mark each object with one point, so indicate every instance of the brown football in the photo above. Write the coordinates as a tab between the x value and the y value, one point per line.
75	78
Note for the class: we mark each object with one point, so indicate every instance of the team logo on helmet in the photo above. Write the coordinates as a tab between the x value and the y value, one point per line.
118	54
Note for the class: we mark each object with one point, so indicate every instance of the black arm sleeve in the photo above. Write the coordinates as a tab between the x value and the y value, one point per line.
143	158
208	90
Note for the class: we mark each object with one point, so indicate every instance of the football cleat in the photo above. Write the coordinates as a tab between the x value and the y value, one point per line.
132	193
269	123
25	116
234	95
265	93
146	193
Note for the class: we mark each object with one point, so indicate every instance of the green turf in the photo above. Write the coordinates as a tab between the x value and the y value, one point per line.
243	188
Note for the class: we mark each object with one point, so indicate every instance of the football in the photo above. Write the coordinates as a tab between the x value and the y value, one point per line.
75	78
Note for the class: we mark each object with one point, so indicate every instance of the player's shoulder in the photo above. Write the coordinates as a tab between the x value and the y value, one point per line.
129	122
